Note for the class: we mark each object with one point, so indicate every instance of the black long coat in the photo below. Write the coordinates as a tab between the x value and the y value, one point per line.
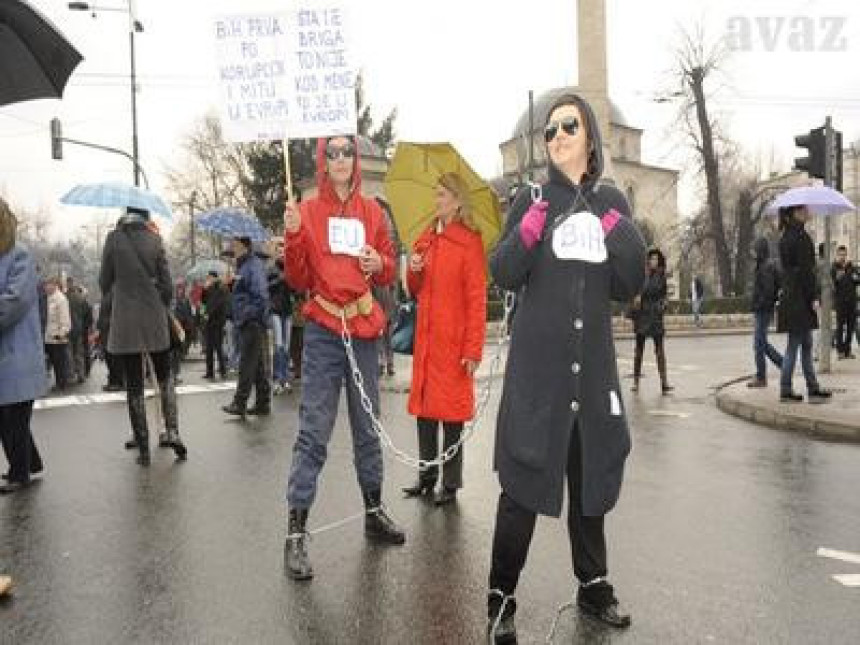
800	287
648	316
141	294
561	367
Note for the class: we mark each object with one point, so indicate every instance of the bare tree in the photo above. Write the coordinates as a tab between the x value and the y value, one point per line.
696	64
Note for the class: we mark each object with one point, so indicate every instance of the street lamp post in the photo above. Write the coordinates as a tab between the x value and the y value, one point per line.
134	27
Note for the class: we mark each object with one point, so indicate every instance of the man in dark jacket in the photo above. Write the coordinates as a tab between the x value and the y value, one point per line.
250	311
215	301
845	280
765	291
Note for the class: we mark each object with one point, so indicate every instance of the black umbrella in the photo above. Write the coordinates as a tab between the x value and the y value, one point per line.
35	59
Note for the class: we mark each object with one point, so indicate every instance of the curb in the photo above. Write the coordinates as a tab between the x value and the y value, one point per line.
789	420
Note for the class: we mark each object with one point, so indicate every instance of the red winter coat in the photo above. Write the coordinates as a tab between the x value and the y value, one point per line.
311	266
452	315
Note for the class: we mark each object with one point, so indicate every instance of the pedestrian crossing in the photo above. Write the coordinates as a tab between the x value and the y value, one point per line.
101	398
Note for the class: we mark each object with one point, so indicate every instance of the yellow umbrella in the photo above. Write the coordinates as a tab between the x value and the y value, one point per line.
410	188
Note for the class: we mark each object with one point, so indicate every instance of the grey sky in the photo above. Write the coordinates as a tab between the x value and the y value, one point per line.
457	70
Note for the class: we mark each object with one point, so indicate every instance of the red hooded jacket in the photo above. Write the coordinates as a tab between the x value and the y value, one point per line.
310	266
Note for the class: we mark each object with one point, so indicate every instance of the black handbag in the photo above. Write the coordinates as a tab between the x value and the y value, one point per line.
403	331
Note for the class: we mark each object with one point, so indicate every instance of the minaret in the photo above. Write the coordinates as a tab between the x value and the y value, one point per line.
593	77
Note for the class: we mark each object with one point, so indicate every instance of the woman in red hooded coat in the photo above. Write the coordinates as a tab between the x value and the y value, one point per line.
447	274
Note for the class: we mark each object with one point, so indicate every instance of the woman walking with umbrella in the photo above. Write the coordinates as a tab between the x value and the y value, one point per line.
134	271
561	414
447	275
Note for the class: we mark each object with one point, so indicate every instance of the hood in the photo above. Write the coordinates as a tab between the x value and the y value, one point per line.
325	188
595	156
761	249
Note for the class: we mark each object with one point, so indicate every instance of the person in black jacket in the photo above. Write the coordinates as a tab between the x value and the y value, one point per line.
281	303
765	293
215	300
845	280
647	313
801	292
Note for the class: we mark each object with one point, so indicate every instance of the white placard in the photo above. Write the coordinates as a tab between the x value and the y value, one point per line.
286	75
346	236
580	237
322	92
253	68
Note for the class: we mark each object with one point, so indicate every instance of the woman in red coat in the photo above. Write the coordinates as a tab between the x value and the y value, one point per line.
447	275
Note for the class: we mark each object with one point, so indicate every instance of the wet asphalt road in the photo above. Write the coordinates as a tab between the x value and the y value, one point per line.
714	540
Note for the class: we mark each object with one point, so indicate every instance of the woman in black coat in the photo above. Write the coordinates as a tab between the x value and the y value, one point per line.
647	313
561	416
798	303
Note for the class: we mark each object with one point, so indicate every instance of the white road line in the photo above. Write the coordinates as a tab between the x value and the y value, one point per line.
54	403
844	556
669	413
650	365
848	579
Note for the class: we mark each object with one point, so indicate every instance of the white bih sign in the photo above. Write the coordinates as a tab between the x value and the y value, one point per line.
346	236
580	237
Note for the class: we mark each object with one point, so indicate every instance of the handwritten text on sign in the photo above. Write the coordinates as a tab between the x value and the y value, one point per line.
323	91
253	69
580	237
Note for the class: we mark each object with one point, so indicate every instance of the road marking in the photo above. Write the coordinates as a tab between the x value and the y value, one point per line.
845	579
848	579
669	413
845	556
54	403
672	368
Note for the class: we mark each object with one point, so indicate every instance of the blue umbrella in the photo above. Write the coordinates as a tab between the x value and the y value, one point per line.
232	222
820	200
115	195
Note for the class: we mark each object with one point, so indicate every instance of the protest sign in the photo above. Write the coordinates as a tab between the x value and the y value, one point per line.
252	54
322	92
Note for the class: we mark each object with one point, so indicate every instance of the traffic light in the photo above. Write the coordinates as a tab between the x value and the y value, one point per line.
56	139
816	143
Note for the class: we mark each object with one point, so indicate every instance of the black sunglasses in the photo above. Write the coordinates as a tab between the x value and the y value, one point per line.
569	124
339	152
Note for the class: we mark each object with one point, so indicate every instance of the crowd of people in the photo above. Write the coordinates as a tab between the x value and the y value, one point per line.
562	424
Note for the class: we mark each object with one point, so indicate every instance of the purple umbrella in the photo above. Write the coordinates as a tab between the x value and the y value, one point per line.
820	200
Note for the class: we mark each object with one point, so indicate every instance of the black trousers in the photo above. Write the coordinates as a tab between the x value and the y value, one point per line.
215	347
58	357
846	319
252	365
428	448
17	440
133	369
114	369
515	527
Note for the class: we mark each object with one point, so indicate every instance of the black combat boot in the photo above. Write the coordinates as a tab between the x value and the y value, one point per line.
137	416
295	550
501	629
378	525
169	409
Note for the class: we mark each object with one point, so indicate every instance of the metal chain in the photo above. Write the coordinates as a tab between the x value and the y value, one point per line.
480	409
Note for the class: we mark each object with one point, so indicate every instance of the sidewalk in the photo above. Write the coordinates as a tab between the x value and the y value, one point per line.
838	420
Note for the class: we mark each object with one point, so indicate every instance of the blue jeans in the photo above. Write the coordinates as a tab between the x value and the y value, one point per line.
235	337
282	326
324	369
803	341
762	348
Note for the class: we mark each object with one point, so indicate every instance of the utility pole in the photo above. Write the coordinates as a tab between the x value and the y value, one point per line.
827	284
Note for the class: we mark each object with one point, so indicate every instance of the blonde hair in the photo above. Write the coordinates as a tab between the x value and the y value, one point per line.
454	183
8	228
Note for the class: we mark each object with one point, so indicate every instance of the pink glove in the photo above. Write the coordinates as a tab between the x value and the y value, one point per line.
532	223
609	220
